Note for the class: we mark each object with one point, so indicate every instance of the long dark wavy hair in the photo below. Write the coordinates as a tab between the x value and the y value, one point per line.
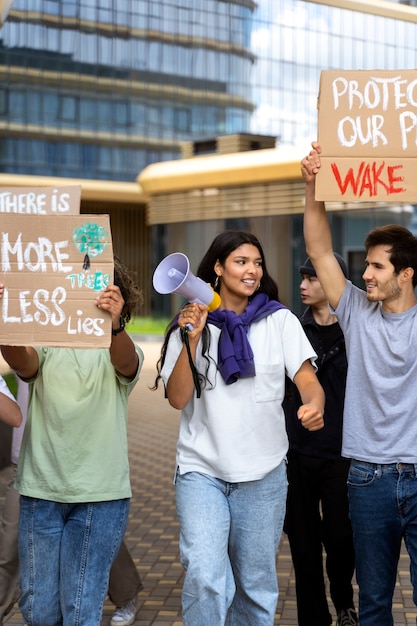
222	246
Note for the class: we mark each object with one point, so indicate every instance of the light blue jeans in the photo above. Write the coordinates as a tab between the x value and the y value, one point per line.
229	537
65	555
383	510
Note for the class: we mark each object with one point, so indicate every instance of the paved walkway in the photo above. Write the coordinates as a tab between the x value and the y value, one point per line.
152	534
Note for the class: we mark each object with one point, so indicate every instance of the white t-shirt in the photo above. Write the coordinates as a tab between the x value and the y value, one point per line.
5	389
237	432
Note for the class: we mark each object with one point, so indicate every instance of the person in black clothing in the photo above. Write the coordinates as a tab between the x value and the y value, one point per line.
317	504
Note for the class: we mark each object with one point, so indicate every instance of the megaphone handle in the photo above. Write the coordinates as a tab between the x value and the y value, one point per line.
184	336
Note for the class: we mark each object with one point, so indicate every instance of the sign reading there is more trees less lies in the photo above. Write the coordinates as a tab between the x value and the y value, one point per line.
53	269
367	128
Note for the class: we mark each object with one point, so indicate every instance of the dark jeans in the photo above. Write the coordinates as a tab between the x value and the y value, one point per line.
317	517
383	503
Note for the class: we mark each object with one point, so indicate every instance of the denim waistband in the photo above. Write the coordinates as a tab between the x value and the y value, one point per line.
383	468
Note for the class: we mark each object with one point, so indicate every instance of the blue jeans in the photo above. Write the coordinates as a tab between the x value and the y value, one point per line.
383	509
65	555
229	537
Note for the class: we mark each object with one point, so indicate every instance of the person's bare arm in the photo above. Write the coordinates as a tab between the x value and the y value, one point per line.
180	385
123	354
317	234
10	412
312	395
24	360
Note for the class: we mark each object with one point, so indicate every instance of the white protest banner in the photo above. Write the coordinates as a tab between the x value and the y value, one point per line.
52	270
368	133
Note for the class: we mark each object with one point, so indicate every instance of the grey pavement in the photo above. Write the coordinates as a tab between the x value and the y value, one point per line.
152	534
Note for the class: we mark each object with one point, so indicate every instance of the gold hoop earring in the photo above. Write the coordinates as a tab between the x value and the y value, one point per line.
216	282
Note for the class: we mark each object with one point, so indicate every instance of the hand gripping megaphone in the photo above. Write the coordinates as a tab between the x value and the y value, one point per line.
173	275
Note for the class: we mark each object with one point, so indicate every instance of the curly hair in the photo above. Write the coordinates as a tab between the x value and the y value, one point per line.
131	293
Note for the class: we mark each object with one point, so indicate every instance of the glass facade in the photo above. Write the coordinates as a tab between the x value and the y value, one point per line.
101	88
294	40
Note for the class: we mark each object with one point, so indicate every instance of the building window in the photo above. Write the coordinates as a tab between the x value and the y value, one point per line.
3	101
52	6
121	114
68	109
182	120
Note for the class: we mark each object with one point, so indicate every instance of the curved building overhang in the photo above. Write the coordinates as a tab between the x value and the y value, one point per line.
92	190
256	183
241	168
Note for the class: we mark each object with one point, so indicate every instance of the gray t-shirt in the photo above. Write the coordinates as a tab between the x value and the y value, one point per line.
380	417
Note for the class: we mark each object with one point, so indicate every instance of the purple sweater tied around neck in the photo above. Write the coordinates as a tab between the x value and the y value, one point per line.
235	356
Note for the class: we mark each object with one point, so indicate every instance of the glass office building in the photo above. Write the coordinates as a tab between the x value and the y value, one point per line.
294	40
101	89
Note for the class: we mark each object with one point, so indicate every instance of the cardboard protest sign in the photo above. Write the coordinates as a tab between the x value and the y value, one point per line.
367	128
40	200
52	270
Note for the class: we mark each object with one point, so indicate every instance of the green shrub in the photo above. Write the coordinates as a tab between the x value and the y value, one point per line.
148	325
11	382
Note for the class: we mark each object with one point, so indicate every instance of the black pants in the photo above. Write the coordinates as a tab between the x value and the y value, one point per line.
317	516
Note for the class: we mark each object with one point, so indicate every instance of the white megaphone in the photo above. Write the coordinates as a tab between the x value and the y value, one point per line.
173	275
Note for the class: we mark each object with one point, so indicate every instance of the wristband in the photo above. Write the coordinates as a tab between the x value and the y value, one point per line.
120	329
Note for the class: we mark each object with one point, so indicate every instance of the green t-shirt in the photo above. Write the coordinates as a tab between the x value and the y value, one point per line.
74	448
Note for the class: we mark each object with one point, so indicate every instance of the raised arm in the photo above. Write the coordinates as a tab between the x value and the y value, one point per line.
123	354
317	234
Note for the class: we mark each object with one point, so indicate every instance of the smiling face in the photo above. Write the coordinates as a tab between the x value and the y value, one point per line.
239	276
382	283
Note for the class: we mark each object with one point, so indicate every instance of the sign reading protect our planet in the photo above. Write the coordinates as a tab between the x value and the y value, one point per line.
367	128
53	264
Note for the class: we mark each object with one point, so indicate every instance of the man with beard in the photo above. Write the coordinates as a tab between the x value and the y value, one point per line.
380	426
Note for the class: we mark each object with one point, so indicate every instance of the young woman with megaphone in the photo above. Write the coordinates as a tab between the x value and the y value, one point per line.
231	482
